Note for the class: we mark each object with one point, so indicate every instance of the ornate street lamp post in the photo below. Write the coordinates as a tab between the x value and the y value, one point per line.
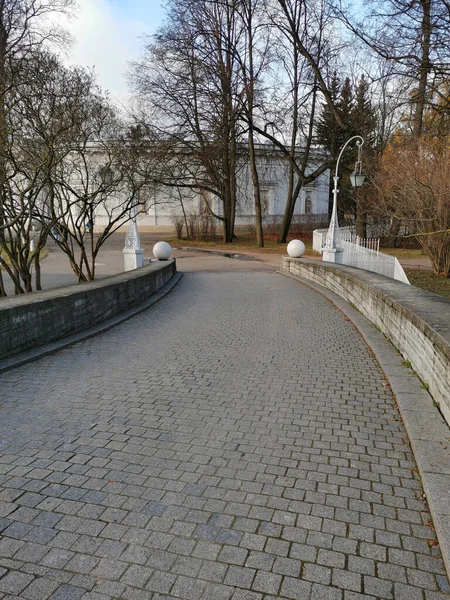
332	251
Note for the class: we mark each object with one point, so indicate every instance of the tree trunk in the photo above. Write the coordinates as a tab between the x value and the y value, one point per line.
232	175
291	198
3	293
14	276
249	81
393	232
361	215
256	190
37	272
289	208
185	219
289	213
256	193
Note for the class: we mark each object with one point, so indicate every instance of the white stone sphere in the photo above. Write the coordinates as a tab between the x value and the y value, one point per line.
162	251
296	248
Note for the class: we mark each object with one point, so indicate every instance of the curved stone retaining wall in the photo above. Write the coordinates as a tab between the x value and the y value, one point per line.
29	321
415	321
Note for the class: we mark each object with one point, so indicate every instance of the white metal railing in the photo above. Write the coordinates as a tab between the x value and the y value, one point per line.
363	254
362	257
320	236
318	240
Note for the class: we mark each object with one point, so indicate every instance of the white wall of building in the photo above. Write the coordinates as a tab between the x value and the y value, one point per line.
162	204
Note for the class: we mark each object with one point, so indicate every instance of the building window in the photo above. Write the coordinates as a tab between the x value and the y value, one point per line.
308	202
266	195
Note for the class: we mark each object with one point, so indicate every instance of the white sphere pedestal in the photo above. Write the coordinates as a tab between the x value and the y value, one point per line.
296	249
162	251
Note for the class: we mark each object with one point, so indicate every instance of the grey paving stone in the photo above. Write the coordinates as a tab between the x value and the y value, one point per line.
240	577
15	582
188	588
331	559
214	591
233	555
161	582
260	560
317	573
68	592
287	566
277	547
206	550
137	575
443	584
303	552
213	571
321	592
347	580
407	592
361	565
379	588
266	582
40	589
246	595
296	588
9	546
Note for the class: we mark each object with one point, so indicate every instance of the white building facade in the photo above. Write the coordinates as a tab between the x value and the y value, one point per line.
163	205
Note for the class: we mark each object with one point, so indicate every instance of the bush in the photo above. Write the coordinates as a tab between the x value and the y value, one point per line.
201	227
303	224
179	224
271	226
413	188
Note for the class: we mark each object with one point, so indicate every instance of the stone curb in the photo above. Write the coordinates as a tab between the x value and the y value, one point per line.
36	353
428	433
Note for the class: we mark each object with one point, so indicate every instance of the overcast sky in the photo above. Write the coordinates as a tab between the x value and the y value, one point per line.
106	34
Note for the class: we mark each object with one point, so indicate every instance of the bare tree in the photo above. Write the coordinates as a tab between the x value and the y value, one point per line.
69	162
189	79
254	57
413	187
305	52
102	182
41	114
25	27
414	36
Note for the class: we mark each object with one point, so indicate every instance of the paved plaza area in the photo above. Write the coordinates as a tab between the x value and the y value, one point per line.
237	441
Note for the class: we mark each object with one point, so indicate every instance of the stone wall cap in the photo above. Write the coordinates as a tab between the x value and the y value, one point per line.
432	309
80	288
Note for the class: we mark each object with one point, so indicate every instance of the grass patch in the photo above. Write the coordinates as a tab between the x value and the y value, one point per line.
405	252
427	280
43	254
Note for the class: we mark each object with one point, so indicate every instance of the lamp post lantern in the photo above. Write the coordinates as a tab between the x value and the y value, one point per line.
332	251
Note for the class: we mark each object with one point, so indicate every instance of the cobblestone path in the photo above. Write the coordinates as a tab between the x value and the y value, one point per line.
237	440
